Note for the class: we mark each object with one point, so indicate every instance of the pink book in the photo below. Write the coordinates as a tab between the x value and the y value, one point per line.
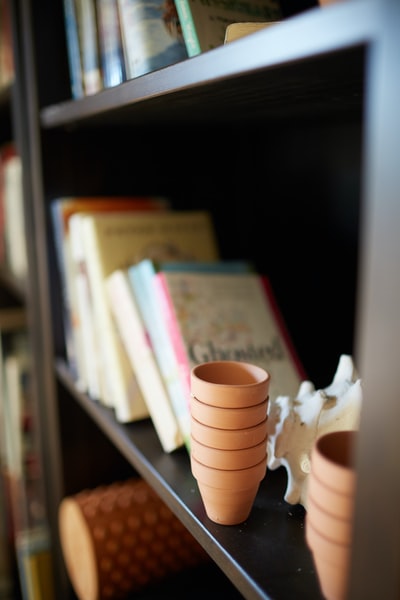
225	316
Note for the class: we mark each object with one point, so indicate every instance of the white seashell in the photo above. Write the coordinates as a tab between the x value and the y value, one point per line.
294	424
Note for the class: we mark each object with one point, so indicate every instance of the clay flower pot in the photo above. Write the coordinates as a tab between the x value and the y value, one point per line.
228	418
229	439
229	384
228	496
335	503
330	525
330	500
332	460
239	458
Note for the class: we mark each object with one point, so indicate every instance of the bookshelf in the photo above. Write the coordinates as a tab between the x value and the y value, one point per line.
301	126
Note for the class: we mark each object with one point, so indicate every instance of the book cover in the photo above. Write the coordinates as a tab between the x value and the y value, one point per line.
118	241
224	316
110	43
61	210
204	22
73	50
235	31
143	283
151	35
140	353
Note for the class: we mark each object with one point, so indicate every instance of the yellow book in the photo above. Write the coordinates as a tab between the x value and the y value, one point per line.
116	241
234	31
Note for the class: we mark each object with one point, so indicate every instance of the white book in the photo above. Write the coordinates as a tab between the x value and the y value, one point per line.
140	352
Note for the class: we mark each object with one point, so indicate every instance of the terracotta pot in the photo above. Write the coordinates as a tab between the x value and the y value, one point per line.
229	384
228	496
334	503
240	458
229	479
229	439
228	507
333	579
331	526
228	418
325	548
332	460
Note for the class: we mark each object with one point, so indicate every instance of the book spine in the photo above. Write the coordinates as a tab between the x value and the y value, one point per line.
139	351
73	49
87	27
188	27
168	312
110	43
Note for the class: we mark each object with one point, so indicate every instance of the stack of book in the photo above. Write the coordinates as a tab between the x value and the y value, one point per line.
153	298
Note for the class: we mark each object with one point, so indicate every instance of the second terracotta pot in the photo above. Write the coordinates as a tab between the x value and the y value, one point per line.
228	418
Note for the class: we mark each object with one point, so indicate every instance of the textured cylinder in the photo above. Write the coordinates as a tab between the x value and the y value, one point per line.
119	538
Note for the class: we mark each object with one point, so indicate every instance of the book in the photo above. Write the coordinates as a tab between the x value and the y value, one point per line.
61	210
151	35
16	256
7	151
235	31
89	46
225	316
142	280
113	241
73	50
110	43
6	46
204	23
140	353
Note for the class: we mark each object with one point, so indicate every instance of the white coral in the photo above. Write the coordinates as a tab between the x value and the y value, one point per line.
294	424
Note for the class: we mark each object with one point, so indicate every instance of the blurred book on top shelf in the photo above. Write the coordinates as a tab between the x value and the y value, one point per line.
235	31
73	49
151	35
226	316
204	23
6	49
142	281
89	46
79	344
113	241
110	43
13	252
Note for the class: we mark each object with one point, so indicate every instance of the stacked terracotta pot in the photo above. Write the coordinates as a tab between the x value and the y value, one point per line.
330	501
228	436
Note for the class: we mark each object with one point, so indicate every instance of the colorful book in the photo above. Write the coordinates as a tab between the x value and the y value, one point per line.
151	35
225	316
117	241
110	43
204	23
140	353
61	210
142	277
73	50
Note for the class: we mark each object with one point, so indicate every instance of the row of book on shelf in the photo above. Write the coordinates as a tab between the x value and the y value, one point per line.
146	296
110	41
25	555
